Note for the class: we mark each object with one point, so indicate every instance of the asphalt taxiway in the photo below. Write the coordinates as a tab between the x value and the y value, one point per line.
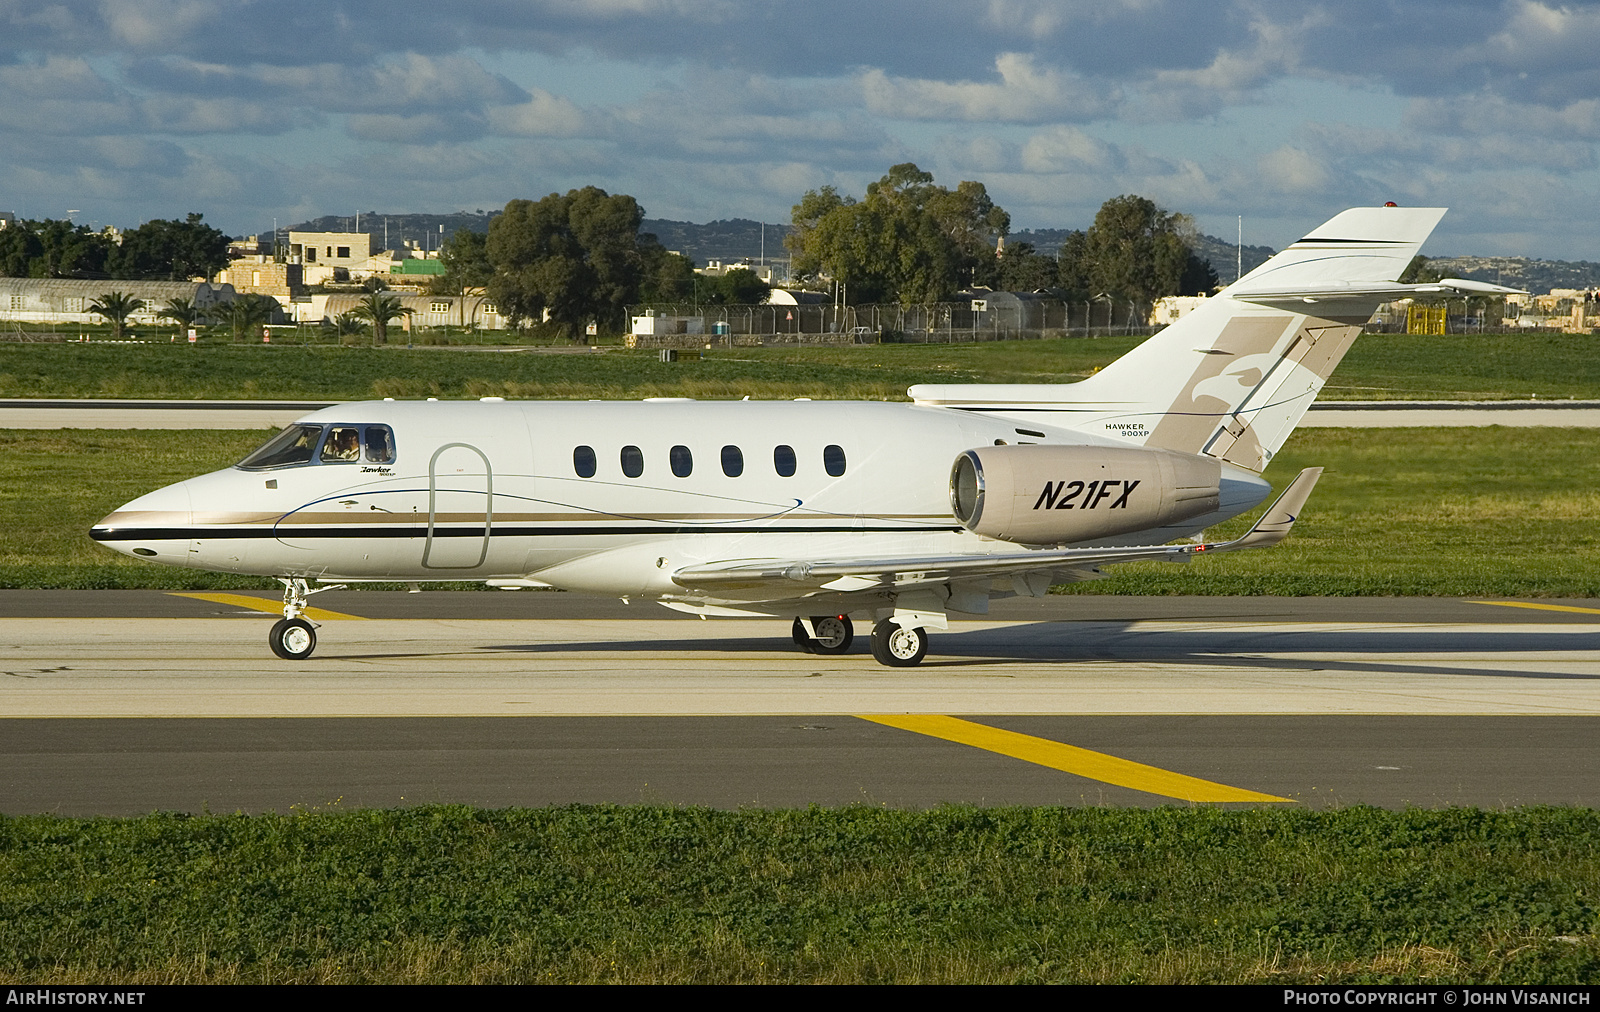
128	701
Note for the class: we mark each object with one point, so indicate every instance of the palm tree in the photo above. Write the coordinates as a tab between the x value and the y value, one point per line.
116	307
181	312
342	326
246	313
378	309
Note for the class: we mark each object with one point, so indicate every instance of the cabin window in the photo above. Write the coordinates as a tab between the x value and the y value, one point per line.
682	461
783	460
732	461
833	460
632	461
343	445
380	444
583	461
293	445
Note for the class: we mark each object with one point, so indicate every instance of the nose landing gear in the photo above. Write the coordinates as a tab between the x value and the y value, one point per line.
293	637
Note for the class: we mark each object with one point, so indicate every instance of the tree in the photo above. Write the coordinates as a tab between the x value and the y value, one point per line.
53	249
170	250
379	310
116	307
667	277
908	239
575	256
1020	269
1418	272
738	287
465	257
1134	251
181	312
246	314
343	326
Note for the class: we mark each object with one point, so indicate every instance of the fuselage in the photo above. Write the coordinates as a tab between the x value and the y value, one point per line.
607	498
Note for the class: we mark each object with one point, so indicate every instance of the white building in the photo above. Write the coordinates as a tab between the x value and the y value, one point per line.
67	300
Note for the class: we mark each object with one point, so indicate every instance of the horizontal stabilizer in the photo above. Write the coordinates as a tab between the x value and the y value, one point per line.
1369	290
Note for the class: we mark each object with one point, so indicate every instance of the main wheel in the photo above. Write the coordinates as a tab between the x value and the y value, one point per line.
897	646
801	640
835	633
293	639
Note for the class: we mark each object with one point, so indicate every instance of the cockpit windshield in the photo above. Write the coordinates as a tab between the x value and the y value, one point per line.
293	445
340	444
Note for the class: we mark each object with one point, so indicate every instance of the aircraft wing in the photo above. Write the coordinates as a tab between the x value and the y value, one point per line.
858	574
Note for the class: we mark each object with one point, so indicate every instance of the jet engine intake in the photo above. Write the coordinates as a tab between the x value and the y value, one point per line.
1054	495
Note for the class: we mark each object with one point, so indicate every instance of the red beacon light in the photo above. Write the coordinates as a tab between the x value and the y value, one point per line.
1390	203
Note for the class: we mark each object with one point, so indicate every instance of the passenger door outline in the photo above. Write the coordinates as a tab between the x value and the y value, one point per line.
428	555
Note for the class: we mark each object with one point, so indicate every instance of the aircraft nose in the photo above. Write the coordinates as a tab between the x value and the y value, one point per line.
154	526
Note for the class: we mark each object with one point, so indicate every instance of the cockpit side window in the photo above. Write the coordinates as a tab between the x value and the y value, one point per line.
293	445
343	445
380	444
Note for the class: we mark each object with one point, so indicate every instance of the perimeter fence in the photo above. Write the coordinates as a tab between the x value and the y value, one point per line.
666	325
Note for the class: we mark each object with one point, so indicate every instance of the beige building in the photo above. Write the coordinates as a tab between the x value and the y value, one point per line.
260	275
426	310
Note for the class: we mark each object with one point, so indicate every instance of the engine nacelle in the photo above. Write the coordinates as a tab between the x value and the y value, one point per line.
1051	495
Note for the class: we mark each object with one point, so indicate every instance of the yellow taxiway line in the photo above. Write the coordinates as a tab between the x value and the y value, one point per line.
1069	758
1540	607
268	605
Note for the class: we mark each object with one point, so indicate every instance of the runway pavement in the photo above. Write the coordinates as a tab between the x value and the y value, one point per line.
129	701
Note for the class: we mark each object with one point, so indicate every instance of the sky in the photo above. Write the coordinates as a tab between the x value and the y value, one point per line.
1285	113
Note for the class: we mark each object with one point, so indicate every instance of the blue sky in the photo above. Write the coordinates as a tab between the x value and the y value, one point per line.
250	110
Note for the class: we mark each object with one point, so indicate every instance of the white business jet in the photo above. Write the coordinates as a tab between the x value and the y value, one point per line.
819	510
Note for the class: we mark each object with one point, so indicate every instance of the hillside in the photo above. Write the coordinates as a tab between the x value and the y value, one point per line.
1537	276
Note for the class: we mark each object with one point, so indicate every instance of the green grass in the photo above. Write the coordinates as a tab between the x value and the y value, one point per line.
652	894
1494	366
1484	511
1488	511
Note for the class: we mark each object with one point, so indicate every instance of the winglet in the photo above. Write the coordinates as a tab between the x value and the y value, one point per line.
1279	518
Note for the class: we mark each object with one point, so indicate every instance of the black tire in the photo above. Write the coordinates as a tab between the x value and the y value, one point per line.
293	639
898	647
801	640
835	633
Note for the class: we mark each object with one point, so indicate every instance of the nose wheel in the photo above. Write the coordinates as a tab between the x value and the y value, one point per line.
293	639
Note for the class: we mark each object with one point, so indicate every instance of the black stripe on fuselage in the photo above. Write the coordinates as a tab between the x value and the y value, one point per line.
318	533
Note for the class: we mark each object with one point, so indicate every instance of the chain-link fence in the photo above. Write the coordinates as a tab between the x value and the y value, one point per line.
998	316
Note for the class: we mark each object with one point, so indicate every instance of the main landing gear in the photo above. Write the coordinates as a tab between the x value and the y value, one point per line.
827	634
893	645
898	646
293	637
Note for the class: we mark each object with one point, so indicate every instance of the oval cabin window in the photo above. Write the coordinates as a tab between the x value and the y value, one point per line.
783	460
583	461
732	461
632	461
833	460
682	461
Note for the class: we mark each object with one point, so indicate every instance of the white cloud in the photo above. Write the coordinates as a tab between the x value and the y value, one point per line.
1025	93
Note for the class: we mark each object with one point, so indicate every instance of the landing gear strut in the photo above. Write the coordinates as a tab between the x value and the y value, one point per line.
293	637
833	634
898	646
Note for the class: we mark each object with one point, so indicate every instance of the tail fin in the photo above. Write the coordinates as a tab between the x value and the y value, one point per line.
1233	378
